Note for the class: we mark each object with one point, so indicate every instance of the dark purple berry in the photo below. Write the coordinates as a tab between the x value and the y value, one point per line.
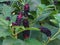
18	22
25	23
19	18
14	24
20	15
45	31
26	34
26	8
8	18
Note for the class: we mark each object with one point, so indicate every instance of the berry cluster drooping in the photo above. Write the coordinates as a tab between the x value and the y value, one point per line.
26	22
45	31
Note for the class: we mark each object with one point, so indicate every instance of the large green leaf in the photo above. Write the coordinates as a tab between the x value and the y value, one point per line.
13	19
7	10
10	41
4	32
33	42
58	36
3	21
43	16
36	34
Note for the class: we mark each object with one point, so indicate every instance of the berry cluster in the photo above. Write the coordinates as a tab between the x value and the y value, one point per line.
20	16
25	22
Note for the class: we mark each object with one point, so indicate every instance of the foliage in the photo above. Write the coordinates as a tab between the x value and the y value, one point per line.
42	13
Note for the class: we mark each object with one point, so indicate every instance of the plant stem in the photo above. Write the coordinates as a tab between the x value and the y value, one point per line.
16	35
55	35
48	40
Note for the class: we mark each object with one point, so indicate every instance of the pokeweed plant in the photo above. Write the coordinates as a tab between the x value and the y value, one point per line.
25	16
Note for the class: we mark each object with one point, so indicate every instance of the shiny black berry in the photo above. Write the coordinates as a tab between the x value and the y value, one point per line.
8	18
26	8
45	31
25	23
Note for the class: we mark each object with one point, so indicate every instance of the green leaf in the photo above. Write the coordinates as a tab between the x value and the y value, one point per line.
10	41
33	42
43	16
36	34
54	21
58	36
4	32
7	10
54	42
43	12
57	17
45	2
13	18
3	21
34	4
